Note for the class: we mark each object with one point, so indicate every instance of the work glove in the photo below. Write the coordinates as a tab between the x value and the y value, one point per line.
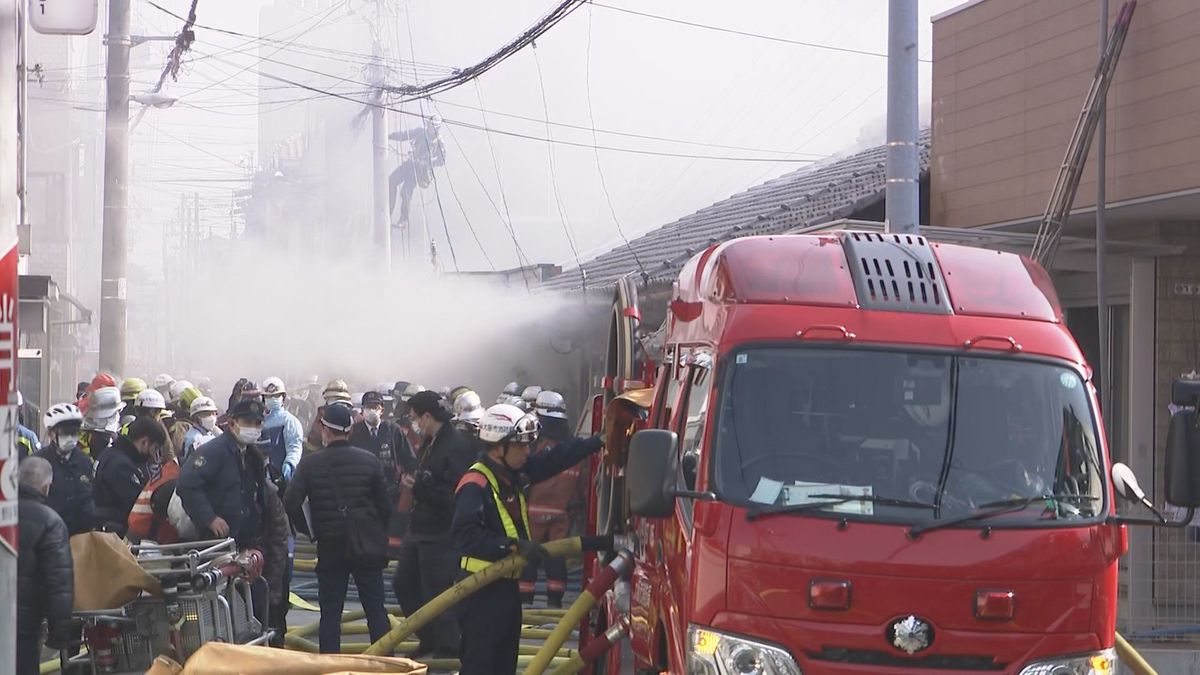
533	552
287	470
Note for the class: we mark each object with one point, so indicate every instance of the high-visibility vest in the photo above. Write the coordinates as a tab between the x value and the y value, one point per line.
474	565
143	523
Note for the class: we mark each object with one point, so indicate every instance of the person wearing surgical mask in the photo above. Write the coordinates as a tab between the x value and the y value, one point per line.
282	441
387	441
204	413
71	492
222	483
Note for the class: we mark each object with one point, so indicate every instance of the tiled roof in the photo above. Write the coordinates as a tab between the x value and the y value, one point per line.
808	196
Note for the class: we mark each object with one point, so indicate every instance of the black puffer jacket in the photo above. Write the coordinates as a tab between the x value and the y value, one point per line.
46	574
442	462
360	485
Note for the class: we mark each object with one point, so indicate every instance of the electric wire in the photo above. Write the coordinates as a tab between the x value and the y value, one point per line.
562	214
721	29
500	185
596	152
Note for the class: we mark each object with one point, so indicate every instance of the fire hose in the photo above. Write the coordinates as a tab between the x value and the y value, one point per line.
506	568
579	609
593	650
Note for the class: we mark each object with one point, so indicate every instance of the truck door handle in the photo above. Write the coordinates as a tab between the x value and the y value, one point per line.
1011	344
840	331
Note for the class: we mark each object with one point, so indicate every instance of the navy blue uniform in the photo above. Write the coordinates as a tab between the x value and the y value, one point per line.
71	491
219	479
120	475
490	620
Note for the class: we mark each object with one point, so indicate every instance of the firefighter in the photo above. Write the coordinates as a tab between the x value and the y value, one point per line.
552	502
124	470
425	566
204	417
491	521
511	389
71	492
529	397
148	519
101	421
337	391
151	404
162	384
468	410
27	441
283	437
130	388
387	441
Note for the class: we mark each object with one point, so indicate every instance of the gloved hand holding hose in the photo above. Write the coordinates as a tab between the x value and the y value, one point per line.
533	552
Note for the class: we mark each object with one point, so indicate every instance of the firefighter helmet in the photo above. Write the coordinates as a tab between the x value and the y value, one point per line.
530	394
203	404
151	400
503	423
466	402
411	390
336	390
273	386
551	404
131	387
63	413
103	404
510	389
177	389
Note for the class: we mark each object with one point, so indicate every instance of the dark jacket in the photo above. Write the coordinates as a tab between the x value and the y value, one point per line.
360	485
274	543
71	491
390	445
441	463
220	479
45	572
477	530
120	475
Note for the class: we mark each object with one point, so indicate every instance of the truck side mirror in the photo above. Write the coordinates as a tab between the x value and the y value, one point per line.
1183	460
650	473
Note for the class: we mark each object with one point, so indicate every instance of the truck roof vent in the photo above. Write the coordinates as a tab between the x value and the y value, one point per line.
895	272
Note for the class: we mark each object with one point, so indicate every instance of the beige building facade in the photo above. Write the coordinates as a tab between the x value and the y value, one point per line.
1009	82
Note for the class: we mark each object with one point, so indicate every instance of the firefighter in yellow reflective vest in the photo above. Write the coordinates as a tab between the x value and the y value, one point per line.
491	521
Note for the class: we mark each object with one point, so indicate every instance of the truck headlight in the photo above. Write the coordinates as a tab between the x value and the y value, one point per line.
1096	663
714	653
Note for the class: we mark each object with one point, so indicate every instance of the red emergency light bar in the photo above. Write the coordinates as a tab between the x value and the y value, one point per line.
814	270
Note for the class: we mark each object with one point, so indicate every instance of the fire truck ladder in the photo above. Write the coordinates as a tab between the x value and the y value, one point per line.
1050	230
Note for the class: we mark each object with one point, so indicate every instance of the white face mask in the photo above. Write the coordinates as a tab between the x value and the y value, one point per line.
67	443
373	417
274	403
208	422
248	435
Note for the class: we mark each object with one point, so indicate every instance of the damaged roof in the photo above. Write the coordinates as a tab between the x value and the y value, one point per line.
815	194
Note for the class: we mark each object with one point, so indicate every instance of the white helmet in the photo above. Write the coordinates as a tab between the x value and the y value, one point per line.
151	399
510	389
410	391
273	386
503	423
104	403
163	380
63	413
203	404
530	394
177	389
466	402
551	404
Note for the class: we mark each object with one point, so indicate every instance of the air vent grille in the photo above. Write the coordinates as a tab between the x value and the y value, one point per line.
895	272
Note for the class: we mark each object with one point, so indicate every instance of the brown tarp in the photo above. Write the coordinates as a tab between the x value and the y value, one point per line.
218	658
107	576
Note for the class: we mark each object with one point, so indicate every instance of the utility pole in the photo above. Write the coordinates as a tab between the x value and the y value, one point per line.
115	251
1102	229
379	147
903	206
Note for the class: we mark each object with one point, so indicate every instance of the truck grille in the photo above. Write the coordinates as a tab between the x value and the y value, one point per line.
940	662
895	272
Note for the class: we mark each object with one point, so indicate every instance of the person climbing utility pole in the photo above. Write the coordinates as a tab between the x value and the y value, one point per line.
428	152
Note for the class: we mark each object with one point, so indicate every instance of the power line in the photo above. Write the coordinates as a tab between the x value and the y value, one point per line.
500	184
664	139
562	213
731	31
464	75
596	152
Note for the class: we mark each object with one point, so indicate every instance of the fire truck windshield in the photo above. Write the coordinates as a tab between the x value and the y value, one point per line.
889	430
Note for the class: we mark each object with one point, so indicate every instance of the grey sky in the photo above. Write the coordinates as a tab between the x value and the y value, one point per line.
648	77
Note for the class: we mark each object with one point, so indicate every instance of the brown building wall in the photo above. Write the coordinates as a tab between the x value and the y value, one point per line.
1009	80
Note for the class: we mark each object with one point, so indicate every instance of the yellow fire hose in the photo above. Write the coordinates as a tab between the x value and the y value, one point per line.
505	568
1132	659
579	609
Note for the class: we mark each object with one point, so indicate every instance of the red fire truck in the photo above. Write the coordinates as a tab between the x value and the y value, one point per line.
862	453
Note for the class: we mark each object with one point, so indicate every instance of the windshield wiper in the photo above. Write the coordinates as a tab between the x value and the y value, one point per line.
835	500
992	509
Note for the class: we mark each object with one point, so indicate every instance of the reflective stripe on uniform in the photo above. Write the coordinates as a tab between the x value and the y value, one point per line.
474	565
